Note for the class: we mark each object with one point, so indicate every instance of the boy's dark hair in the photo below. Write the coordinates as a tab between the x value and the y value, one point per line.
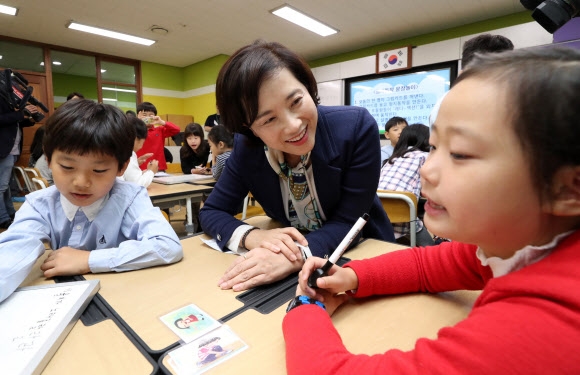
240	78
193	129
138	125
485	43
541	87
83	126
219	134
147	107
130	113
73	94
413	137
394	121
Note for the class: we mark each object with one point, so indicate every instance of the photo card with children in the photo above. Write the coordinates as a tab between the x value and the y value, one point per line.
206	352
189	322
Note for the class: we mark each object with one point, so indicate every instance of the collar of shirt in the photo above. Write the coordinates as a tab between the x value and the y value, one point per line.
90	211
276	157
521	258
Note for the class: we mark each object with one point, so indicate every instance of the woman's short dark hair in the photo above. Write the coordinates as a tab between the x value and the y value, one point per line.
219	134
194	129
413	137
240	78
83	126
138	125
542	90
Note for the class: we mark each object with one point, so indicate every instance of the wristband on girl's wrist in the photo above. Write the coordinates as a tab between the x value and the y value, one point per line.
304	300
243	240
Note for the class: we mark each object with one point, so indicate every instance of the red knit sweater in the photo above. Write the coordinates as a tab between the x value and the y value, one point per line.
526	322
154	143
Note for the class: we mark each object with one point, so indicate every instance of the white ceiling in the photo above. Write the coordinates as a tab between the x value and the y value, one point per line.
200	29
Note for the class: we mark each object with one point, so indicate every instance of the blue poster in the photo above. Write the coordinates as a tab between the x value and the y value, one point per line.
411	96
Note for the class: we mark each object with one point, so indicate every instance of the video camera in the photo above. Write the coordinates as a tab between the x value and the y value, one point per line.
552	14
15	91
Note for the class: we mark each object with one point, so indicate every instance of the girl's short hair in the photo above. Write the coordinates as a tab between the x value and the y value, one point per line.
219	134
194	129
413	137
240	78
542	87
82	126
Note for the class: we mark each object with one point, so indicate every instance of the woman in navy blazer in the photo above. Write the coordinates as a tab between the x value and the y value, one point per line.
268	96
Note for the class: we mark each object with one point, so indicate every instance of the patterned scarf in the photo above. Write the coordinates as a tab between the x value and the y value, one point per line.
303	212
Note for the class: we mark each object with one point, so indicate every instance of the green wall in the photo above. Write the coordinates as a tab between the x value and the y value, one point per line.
456	32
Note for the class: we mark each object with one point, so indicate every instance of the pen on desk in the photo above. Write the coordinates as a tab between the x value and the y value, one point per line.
342	246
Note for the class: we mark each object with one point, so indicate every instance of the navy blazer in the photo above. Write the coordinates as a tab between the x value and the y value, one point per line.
346	165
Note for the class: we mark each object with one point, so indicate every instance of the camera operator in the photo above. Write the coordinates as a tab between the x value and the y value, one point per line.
11	124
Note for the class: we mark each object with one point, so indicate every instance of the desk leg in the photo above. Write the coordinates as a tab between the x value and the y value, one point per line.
189	225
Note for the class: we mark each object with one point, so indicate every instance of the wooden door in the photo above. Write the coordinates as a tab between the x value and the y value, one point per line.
38	83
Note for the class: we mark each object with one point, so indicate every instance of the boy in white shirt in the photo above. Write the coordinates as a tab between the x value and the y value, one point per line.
93	221
133	173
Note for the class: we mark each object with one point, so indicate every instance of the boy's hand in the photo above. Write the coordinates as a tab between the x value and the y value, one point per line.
156	120
141	159
66	261
153	166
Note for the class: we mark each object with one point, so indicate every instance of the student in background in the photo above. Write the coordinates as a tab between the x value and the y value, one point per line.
158	130
37	159
44	169
503	181
212	120
194	155
36	146
94	222
393	129
400	172
484	43
317	190
133	173
221	142
74	95
194	152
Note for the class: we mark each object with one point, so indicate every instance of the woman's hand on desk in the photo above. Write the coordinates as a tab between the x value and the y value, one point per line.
66	261
257	267
279	240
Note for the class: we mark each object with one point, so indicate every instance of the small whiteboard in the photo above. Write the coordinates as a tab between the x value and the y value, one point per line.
35	320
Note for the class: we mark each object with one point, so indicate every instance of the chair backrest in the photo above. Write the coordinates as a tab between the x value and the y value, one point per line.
22	176
173	168
40	182
249	208
401	207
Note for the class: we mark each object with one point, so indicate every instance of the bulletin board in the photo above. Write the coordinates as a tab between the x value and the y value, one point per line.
35	320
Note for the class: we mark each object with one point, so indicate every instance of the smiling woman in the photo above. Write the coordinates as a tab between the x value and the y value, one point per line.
313	168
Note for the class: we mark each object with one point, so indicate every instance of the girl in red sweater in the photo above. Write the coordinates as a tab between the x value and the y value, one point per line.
503	181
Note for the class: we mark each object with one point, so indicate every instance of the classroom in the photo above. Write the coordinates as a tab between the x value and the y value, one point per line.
197	259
